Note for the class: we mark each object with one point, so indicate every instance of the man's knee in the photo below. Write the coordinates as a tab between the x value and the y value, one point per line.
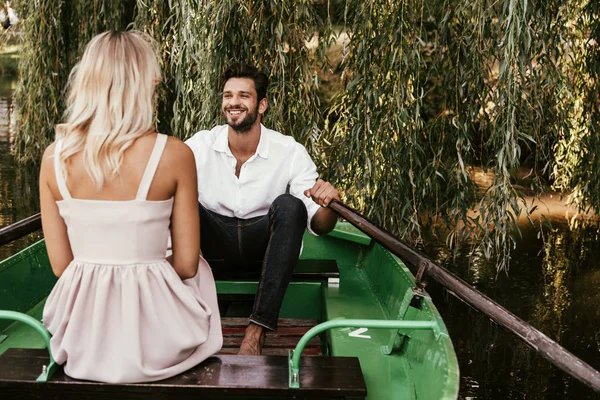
289	207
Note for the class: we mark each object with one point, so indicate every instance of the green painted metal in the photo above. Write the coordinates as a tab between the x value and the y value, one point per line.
294	363
373	285
410	296
351	235
345	253
48	370
25	279
302	299
21	336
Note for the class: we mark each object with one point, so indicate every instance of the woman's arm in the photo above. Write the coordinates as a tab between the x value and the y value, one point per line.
185	220
53	225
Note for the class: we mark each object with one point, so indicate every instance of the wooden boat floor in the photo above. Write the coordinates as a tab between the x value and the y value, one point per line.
289	332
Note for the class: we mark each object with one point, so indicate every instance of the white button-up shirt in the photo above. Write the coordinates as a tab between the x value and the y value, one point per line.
279	161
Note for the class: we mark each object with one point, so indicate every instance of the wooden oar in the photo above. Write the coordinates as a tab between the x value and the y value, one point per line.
20	229
541	343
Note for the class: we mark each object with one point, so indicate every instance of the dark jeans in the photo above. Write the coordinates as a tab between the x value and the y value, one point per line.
265	247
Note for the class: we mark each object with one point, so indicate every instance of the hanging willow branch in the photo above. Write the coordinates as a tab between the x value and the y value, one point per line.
42	65
436	91
434	94
376	138
578	150
55	34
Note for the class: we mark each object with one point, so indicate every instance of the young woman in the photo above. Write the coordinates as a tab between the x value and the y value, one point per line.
112	191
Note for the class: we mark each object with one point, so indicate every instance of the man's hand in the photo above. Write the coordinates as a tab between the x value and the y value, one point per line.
322	193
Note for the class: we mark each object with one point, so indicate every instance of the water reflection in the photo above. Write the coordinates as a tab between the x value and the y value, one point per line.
552	284
18	184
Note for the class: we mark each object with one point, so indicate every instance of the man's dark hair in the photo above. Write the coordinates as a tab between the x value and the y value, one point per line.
243	70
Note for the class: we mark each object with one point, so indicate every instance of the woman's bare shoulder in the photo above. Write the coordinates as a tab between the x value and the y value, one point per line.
178	153
47	163
49	152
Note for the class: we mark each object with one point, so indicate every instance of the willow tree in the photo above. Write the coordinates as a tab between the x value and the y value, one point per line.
577	167
430	91
435	88
54	35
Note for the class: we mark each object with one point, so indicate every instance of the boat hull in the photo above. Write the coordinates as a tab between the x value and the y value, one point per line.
373	285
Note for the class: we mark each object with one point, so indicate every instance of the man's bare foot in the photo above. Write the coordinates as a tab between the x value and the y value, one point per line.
253	341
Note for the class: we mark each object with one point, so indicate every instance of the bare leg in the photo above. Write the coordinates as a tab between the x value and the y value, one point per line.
253	341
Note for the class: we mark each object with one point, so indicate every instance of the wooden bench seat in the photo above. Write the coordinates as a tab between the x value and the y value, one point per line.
306	270
219	377
316	270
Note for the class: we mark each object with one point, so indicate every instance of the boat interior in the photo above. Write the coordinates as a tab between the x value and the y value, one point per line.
343	276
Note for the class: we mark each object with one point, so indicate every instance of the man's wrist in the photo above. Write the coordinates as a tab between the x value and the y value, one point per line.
324	220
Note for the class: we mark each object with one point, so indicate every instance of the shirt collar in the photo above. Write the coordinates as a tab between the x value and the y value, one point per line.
221	143
264	143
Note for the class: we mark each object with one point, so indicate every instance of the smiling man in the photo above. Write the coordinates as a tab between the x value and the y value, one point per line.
258	192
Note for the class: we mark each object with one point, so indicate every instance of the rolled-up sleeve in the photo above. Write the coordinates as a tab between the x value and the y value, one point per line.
303	175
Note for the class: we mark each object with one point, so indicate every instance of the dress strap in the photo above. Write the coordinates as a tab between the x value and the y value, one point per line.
159	146
60	178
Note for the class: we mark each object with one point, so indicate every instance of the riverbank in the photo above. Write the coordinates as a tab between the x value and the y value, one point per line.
550	207
10	52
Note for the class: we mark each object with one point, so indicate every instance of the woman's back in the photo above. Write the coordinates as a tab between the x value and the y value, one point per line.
131	216
119	312
111	192
116	225
124	187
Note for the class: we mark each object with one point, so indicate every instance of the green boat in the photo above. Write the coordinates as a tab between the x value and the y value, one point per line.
353	315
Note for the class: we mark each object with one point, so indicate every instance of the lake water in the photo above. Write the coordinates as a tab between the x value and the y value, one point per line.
553	284
18	184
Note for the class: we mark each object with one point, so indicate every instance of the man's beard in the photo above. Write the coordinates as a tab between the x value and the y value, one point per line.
245	124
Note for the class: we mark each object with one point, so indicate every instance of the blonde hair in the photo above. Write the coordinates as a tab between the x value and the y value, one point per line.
110	102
